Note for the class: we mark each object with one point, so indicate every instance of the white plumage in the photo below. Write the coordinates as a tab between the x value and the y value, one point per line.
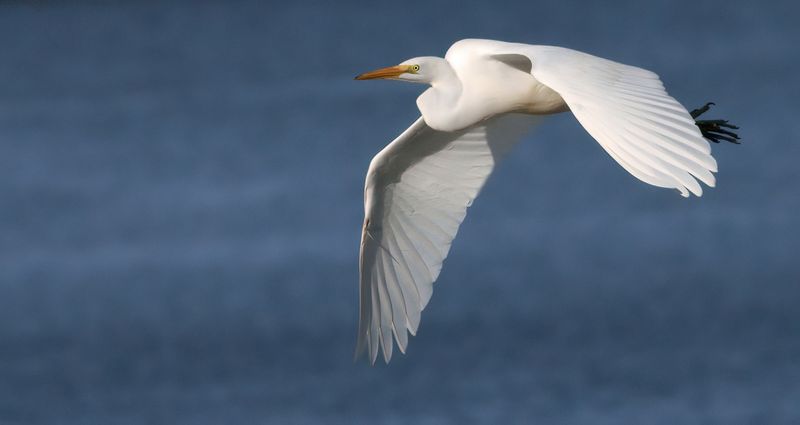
484	96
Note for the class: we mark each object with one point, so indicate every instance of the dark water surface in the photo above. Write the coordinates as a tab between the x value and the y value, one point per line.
180	205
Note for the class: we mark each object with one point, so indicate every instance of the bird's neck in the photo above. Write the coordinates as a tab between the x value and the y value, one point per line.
439	103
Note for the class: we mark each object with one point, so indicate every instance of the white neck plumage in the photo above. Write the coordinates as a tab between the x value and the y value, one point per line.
439	103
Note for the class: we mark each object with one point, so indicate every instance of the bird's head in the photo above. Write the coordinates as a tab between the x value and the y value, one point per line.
417	70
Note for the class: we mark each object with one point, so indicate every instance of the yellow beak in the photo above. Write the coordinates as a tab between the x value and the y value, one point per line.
390	72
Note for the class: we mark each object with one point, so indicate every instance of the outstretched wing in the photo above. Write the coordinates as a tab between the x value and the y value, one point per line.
627	110
416	194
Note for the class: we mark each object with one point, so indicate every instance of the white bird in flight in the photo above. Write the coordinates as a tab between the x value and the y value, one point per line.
484	96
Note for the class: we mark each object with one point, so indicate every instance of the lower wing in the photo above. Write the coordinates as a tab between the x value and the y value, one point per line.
416	195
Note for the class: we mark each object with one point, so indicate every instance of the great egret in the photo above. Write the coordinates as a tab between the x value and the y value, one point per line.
484	95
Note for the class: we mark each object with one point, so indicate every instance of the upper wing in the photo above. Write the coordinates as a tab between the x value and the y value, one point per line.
416	194
628	111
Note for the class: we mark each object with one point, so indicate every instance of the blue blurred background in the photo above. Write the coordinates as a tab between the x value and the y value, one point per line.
180	206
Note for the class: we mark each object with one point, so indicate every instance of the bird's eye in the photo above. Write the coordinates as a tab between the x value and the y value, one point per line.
415	68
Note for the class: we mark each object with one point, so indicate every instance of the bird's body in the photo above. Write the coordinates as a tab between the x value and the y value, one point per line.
484	95
474	88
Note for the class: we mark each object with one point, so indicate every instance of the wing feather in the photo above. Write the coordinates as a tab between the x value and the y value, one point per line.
628	111
416	195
